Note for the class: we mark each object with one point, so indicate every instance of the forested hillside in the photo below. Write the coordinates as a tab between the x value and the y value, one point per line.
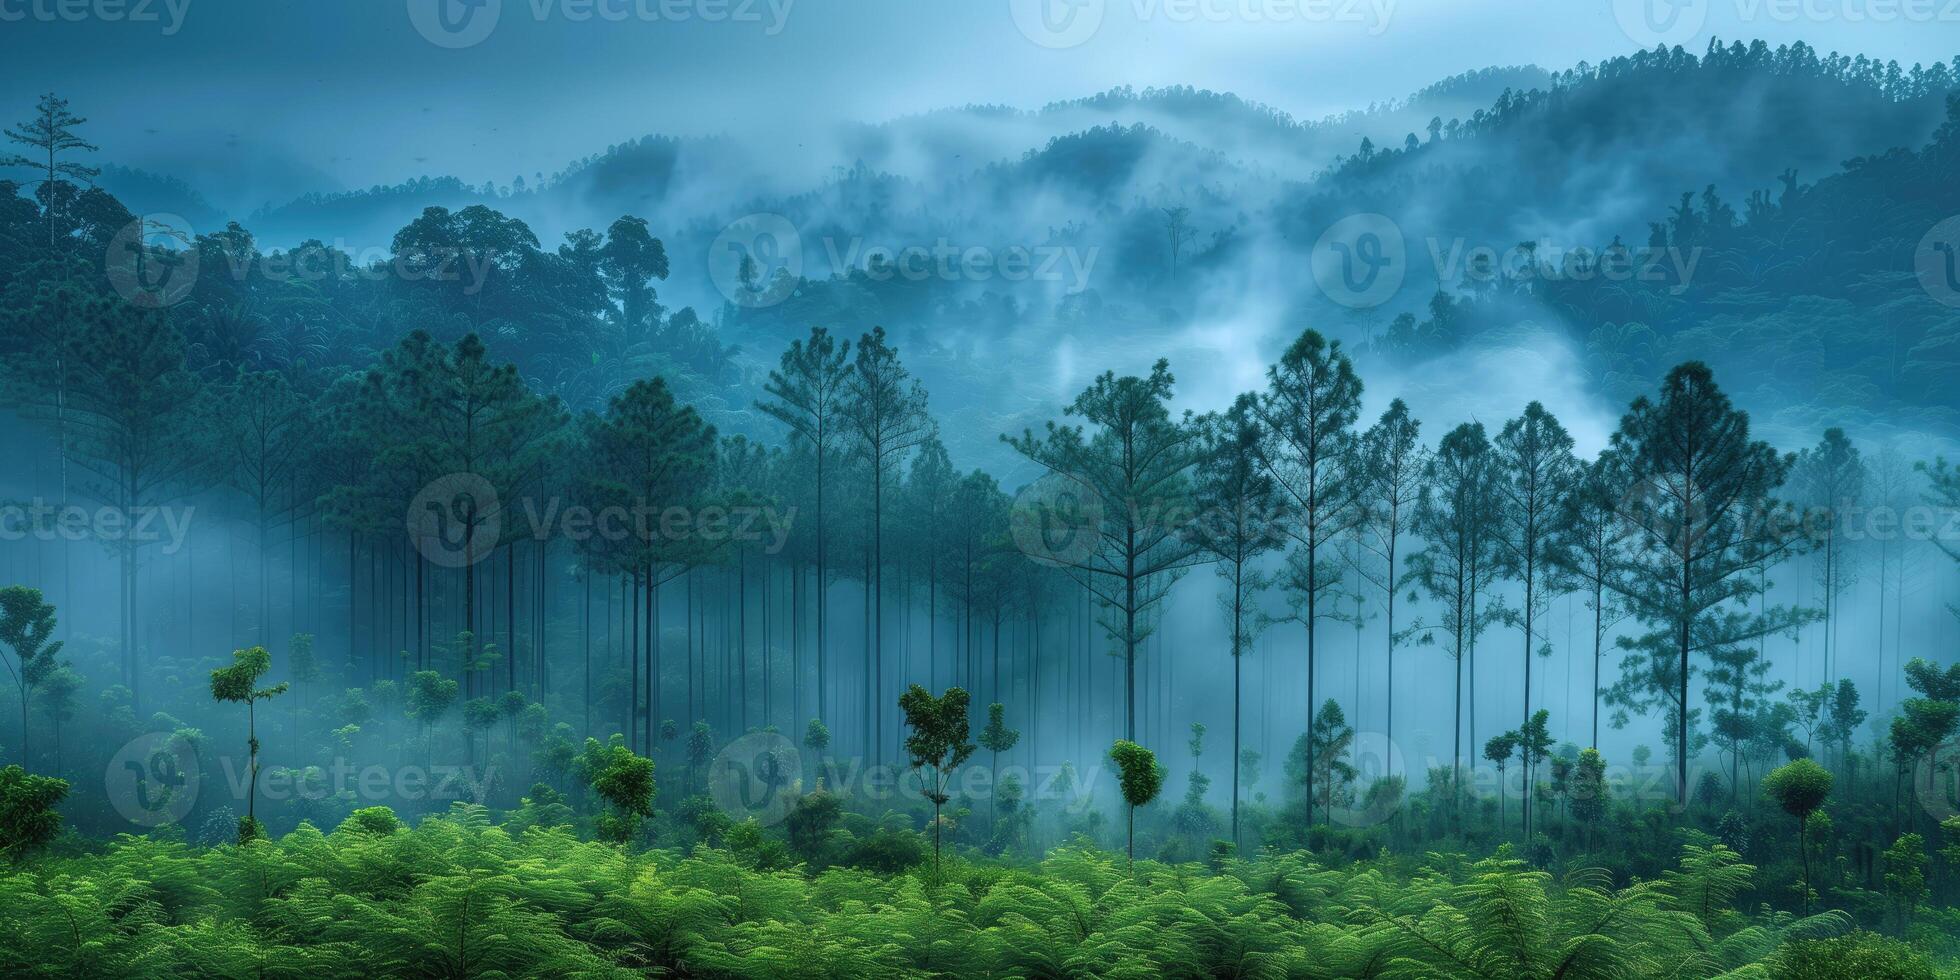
552	579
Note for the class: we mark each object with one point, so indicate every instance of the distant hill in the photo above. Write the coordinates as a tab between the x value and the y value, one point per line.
1572	159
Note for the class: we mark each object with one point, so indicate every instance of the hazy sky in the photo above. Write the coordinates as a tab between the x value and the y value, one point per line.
374	91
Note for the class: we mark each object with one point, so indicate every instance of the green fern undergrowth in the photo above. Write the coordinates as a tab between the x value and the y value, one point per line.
460	896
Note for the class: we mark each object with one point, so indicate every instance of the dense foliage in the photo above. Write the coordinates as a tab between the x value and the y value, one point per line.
457	896
517	578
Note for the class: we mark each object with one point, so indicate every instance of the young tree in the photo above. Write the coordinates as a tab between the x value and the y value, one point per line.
479	716
1322	766
429	696
807	395
60	693
1799	788
1590	794
1237	516
624	781
1307	413
886	410
1535	471
302	669
1842	718
1135	470
1905	875
1738	687
1534	744
938	742
1499	749
28	818
1703	519
700	750
1141	778
997	738
816	738
1926	722
238	684
27	629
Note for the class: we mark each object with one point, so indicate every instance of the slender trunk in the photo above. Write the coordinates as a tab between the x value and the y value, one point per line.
1803	852
1238	651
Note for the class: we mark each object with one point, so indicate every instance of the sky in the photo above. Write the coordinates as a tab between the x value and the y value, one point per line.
377	91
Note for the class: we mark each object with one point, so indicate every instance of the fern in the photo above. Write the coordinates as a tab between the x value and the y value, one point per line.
457	896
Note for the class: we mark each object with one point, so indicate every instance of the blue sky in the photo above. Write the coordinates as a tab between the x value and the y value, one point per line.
357	89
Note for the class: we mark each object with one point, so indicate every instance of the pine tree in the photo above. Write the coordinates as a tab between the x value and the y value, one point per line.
807	393
1395	464
1535	473
1237	523
997	738
1829	482
1307	414
885	408
1587	553
50	134
1703	518
1135	466
1454	517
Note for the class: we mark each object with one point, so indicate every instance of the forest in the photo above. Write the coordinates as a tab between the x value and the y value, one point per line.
604	636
